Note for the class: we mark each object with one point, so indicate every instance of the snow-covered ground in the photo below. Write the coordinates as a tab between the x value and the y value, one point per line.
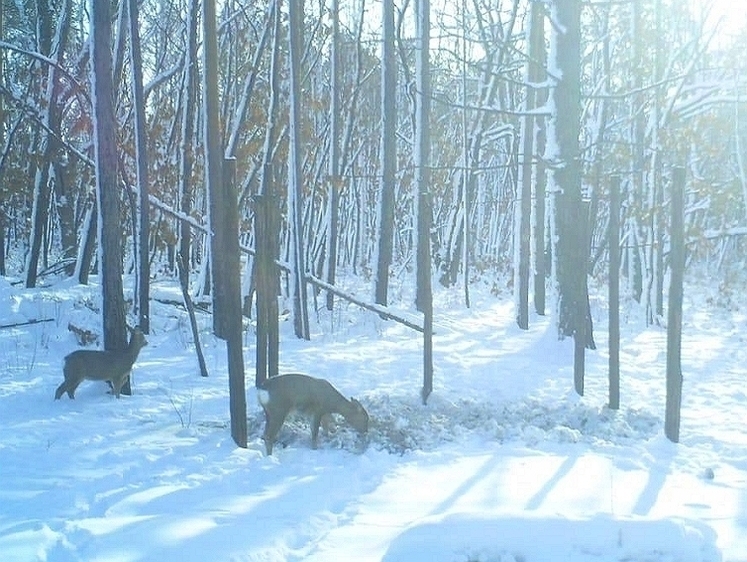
505	463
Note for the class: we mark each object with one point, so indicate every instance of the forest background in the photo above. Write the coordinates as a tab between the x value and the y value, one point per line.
457	140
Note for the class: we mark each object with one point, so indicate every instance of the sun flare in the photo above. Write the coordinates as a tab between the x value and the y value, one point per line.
727	16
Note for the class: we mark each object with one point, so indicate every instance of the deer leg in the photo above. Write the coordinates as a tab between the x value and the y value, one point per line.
118	382
272	426
72	385
60	390
315	422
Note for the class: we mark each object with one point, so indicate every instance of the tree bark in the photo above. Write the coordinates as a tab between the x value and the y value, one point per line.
52	47
571	212
388	155
295	171
107	186
224	226
334	153
142	233
674	322
424	213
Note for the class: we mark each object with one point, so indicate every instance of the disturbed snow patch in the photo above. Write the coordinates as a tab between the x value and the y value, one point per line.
400	424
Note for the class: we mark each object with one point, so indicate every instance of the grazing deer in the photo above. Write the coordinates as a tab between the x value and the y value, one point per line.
310	396
96	365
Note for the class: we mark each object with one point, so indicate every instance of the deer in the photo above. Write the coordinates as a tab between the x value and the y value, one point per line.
101	365
309	396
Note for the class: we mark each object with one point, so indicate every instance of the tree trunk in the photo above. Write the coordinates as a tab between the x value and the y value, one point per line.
674	322
523	210
52	47
224	246
186	148
295	180
385	217
571	213
214	165
614	294
424	217
107	190
141	157
334	153
541	263
265	227
87	244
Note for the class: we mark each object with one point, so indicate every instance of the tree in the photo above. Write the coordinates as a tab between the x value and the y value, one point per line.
385	214
424	217
674	312
141	158
265	235
571	253
53	47
334	150
107	186
295	172
522	231
2	141
223	221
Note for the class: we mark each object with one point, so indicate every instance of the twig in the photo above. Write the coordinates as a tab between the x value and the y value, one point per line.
27	322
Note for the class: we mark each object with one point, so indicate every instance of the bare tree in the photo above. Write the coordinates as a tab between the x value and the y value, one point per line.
334	150
571	253
224	224
534	74
295	171
107	185
51	45
424	213
142	233
385	217
265	225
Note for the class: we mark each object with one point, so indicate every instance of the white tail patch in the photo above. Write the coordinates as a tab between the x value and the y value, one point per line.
263	396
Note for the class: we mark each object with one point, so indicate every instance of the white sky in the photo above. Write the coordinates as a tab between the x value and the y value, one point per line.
730	15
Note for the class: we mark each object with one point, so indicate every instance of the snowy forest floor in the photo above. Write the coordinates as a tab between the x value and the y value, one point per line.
505	463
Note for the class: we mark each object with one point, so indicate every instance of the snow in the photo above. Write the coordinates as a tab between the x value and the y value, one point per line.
504	464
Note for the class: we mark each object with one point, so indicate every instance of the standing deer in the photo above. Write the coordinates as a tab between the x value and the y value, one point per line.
311	397
97	365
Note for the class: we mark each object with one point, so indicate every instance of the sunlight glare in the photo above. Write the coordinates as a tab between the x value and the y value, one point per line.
727	16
